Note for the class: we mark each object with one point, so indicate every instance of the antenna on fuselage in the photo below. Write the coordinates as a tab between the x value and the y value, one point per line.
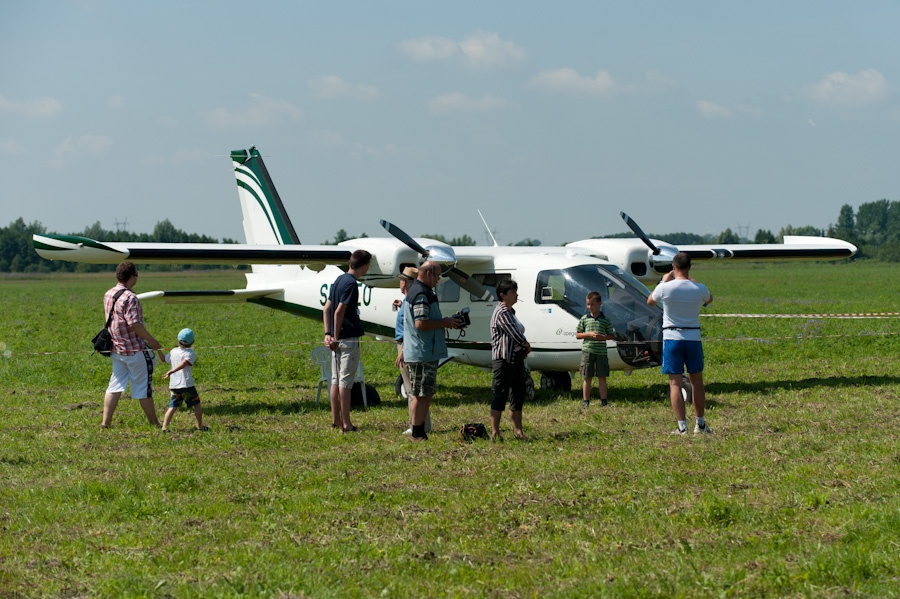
489	232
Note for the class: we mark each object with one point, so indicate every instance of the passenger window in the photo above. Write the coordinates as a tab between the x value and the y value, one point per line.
448	291
489	281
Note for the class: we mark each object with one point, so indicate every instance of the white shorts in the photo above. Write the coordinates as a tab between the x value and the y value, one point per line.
345	363
136	369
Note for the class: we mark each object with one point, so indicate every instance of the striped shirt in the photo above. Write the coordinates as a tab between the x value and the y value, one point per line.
506	336
589	324
127	312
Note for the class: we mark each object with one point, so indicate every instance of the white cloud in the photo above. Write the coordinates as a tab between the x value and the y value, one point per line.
9	147
750	110
41	108
568	80
83	145
458	102
842	89
482	50
711	110
656	82
333	140
333	86
116	102
261	111
487	51
180	155
429	49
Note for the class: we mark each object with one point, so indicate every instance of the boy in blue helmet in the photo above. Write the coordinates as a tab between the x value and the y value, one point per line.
181	379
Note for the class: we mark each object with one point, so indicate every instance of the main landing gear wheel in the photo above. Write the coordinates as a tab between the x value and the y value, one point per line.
556	381
687	391
400	388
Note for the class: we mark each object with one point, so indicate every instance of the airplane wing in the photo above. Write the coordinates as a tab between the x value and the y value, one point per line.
218	296
794	248
81	249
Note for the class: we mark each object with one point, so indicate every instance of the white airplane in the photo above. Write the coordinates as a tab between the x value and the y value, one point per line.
553	281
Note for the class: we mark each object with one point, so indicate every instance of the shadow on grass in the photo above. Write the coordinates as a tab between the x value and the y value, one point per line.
830	382
463	395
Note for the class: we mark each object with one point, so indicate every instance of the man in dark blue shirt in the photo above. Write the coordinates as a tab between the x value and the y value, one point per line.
342	332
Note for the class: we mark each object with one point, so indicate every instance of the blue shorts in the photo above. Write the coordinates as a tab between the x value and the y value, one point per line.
188	395
679	353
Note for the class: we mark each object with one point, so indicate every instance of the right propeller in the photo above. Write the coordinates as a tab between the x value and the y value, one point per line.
444	256
660	257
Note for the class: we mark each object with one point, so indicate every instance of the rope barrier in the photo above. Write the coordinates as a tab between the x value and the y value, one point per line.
809	316
7	353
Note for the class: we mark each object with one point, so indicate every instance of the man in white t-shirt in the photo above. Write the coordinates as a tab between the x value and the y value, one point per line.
681	298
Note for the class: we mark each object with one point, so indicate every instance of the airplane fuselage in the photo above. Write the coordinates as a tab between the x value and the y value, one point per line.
553	286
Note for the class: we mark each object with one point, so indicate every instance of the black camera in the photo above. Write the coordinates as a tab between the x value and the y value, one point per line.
463	317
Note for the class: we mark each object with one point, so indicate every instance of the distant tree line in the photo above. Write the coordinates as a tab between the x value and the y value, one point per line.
17	251
874	228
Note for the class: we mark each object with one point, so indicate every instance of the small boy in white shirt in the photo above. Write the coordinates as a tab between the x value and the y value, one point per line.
181	383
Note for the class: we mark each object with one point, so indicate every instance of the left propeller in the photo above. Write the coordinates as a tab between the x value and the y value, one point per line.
660	257
443	255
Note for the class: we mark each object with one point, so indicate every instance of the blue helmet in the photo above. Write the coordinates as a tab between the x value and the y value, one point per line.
186	336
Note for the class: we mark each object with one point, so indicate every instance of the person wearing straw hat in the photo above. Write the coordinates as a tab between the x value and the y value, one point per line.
409	274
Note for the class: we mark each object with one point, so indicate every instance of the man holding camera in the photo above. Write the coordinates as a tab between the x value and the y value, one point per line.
423	342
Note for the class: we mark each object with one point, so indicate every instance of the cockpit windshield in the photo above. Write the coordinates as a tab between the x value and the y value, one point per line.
624	303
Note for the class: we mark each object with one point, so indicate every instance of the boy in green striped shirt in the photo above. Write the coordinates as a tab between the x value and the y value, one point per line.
595	329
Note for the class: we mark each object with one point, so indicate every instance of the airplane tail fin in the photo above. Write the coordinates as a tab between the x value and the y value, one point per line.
265	220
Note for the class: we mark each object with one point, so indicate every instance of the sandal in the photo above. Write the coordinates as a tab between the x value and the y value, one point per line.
352	429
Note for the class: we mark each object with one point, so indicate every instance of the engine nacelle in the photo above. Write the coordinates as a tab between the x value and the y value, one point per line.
391	256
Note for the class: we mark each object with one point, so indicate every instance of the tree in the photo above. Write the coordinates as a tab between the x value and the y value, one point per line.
846	225
341	236
871	221
463	240
728	237
527	242
764	236
806	230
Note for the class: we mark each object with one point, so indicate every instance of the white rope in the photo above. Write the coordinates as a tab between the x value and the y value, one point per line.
809	316
7	353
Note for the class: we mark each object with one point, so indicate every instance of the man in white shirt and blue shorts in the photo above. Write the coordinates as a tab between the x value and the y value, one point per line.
681	299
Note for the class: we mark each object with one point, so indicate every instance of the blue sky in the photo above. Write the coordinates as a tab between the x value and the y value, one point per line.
548	117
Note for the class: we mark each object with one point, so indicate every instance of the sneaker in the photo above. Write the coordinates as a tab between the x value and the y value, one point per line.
585	404
679	431
408	431
604	403
704	430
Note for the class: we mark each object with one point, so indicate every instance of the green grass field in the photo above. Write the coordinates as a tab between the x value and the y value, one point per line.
797	493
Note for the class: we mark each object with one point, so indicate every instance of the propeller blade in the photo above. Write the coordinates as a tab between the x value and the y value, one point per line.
444	256
469	284
639	232
402	236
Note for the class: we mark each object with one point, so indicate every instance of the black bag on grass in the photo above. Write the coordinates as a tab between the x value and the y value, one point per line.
474	430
